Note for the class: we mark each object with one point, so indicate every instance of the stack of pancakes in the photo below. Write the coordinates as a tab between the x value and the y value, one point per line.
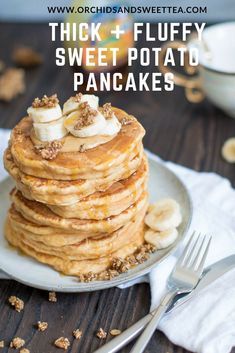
80	210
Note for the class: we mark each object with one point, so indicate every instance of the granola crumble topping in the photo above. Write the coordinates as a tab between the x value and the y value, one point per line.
17	303
42	325
115	332
26	57
77	98
49	150
87	116
45	101
17	343
107	111
52	297
62	342
1	344
12	83
120	265
77	334
24	350
126	121
101	334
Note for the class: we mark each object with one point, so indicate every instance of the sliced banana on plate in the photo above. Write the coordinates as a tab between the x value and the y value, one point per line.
228	150
44	114
161	240
73	103
162	219
95	128
53	130
163	214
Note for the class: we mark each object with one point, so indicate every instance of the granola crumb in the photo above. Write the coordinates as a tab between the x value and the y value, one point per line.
86	117
42	325
62	343
77	98
119	265
101	334
49	150
45	101
16	302
17	343
2	344
26	57
24	350
115	332
52	297
77	334
11	84
107	111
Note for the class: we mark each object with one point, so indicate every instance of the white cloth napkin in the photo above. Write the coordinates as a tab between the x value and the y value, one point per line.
206	323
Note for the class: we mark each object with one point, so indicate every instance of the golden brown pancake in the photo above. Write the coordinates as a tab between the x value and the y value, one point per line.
74	268
76	165
89	248
78	211
55	192
42	215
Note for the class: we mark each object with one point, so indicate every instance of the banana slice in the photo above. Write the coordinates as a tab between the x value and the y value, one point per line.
161	239
86	131
163	215
45	115
228	150
50	131
113	126
72	104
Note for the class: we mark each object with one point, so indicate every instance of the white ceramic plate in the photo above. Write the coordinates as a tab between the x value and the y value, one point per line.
162	183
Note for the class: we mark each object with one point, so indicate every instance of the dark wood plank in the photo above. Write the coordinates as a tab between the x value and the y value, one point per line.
176	130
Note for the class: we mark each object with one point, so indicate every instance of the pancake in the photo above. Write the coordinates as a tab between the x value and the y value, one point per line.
54	236
55	192
89	248
111	202
42	215
73	268
76	165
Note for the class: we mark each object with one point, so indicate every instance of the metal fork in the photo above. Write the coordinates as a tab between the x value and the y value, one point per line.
183	279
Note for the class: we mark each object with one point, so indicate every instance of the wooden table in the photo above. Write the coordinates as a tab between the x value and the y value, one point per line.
191	135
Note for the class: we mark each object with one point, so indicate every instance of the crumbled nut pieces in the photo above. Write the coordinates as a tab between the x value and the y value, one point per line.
86	117
26	57
16	302
52	297
62	343
77	334
49	150
1	344
107	111
42	325
77	98
82	148
24	350
11	84
115	332
126	121
101	334
45	101
17	343
120	265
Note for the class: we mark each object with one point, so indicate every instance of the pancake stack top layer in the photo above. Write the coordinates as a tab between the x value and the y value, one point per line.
81	187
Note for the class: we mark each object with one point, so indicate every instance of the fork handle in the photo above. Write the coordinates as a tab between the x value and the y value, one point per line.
151	327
